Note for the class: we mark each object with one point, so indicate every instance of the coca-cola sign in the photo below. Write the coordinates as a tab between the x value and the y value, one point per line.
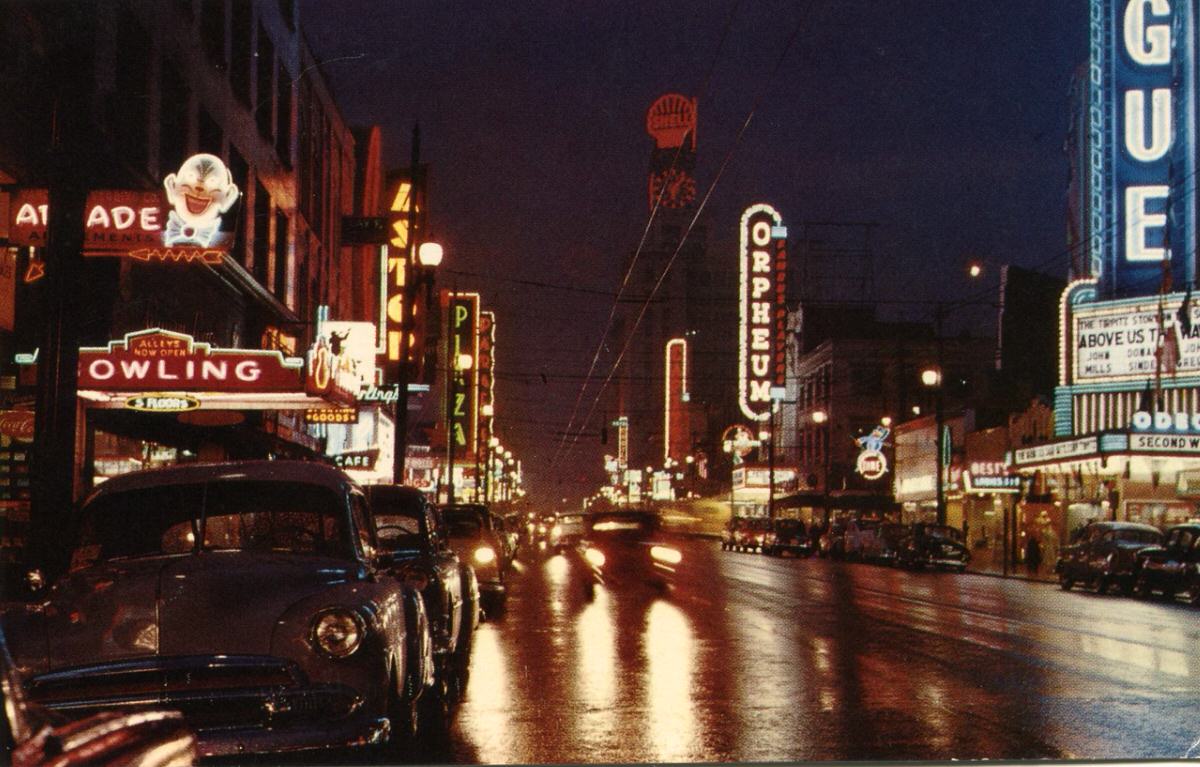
17	424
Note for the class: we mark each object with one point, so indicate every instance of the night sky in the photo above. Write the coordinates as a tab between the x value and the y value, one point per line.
943	121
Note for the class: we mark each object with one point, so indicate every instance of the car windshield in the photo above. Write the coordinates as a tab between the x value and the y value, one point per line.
1138	536
228	515
398	531
462	523
944	531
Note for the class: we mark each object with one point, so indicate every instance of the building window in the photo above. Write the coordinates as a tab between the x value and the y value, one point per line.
173	118
241	176
211	137
130	102
282	265
265	103
212	32
283	120
262	233
242	54
287	9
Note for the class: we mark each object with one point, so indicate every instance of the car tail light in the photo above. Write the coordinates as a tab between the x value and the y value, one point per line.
485	555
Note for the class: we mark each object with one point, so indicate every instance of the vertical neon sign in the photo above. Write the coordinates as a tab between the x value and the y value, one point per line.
762	326
464	345
675	396
1143	73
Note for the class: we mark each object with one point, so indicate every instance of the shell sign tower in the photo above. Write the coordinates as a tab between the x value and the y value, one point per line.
671	121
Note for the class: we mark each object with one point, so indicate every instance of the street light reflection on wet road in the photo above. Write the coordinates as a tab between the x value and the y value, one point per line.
751	658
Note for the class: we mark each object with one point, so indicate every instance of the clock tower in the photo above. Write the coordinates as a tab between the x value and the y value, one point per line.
671	121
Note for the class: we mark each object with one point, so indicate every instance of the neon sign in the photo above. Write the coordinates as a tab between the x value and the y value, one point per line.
137	224
871	462
762	328
464	343
1144	73
157	360
676	436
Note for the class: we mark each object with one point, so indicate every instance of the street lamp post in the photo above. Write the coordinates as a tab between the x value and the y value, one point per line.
932	378
821	418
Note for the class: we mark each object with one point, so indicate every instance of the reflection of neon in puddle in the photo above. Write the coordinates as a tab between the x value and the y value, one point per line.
669	650
1154	659
596	657
491	699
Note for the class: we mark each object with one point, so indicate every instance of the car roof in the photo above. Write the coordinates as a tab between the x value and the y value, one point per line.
304	472
1127	526
392	492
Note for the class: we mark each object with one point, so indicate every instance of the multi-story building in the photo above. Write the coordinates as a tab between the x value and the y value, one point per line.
116	96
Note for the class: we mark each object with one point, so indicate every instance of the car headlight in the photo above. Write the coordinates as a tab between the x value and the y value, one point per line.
665	554
485	555
338	632
595	556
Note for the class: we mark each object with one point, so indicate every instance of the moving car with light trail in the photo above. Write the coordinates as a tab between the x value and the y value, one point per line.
245	595
566	531
628	549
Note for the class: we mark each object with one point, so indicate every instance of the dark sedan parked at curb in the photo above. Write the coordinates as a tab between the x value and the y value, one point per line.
1172	568
1105	554
938	546
245	595
411	536
787	536
628	549
473	535
884	546
31	736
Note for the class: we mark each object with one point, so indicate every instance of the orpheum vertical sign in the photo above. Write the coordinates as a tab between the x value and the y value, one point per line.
763	312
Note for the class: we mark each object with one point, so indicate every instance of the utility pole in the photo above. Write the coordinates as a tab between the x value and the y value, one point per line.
53	481
400	438
940	416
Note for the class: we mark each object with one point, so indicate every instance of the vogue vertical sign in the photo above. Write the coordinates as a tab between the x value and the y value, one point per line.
1146	79
763	315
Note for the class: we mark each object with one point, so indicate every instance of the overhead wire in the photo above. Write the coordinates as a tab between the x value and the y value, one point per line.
691	224
600	346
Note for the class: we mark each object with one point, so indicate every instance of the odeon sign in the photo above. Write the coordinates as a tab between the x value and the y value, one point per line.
1176	423
762	328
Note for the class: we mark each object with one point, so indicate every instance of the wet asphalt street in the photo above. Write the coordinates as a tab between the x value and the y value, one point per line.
752	658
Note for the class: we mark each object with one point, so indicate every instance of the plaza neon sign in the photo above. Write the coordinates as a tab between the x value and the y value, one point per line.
762	326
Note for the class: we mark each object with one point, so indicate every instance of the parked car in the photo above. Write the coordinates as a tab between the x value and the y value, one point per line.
859	536
32	736
744	533
471	531
930	545
1105	554
884	546
1173	567
787	536
627	549
832	542
245	595
412	538
566	531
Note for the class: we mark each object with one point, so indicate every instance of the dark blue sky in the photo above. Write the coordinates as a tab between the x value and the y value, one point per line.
942	121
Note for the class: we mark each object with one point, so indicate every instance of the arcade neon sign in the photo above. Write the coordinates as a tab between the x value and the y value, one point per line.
137	224
762	327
